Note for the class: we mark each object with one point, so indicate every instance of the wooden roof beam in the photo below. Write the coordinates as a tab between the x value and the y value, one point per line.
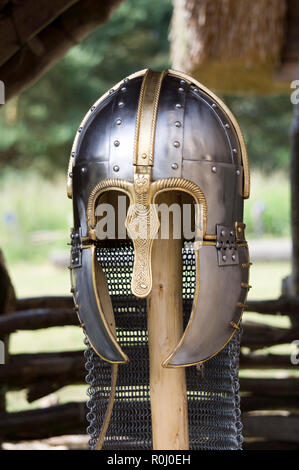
52	43
21	21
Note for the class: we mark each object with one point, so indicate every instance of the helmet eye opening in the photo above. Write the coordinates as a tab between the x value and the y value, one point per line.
111	209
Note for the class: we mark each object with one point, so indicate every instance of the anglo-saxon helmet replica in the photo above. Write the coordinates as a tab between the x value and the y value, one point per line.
158	132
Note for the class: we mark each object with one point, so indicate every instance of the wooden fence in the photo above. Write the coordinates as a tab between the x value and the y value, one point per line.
270	406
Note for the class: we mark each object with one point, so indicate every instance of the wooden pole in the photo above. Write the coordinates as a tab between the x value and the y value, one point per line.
165	327
290	285
39	53
7	305
295	200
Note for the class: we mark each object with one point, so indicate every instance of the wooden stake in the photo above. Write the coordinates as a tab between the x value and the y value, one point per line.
165	327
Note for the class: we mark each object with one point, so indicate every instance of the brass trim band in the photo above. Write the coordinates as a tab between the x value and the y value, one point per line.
146	118
100	442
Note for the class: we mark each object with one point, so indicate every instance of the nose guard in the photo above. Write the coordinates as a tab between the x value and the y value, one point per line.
221	258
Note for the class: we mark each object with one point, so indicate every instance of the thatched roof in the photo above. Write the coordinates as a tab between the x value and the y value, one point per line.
237	45
34	35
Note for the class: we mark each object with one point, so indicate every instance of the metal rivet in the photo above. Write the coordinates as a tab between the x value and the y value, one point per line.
80	129
238	172
234	257
143	286
222	233
235	150
71	175
214	169
176	144
227	126
118	122
123	88
174	166
195	89
116	143
178	106
181	89
73	154
83	169
92	108
231	233
144	155
111	91
126	80
116	168
121	104
214	105
182	82
177	124
224	257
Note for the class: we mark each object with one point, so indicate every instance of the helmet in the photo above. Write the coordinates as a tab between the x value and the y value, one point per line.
156	132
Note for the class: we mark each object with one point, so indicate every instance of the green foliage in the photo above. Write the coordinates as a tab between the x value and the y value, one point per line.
265	122
272	193
30	208
49	113
135	37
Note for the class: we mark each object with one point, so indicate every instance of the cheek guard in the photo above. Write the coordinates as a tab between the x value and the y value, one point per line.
157	132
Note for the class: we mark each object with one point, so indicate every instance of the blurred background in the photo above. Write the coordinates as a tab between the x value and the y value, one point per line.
38	126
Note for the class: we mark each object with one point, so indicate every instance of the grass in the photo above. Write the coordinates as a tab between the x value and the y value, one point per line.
33	211
40	279
267	211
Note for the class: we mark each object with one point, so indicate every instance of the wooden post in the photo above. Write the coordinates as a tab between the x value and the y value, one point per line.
295	199
290	285
7	305
165	327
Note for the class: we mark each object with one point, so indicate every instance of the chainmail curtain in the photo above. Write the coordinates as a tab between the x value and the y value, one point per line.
212	389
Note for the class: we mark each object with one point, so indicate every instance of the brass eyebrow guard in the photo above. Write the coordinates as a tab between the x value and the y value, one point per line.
142	213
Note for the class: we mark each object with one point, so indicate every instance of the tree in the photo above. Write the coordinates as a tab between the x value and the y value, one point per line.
38	126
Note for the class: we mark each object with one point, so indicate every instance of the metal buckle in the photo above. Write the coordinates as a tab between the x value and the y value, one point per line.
240	231
226	245
76	250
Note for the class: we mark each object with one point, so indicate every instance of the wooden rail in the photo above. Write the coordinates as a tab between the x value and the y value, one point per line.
70	419
270	406
255	335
